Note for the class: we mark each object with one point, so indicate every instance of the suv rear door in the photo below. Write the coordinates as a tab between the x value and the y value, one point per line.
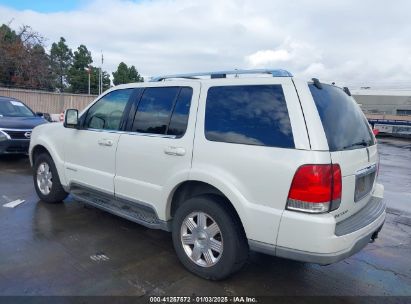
351	144
250	139
155	153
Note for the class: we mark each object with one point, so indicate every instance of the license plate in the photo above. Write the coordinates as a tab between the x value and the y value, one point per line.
360	185
364	182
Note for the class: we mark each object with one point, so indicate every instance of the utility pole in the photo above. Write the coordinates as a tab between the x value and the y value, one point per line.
89	81
89	74
99	81
101	74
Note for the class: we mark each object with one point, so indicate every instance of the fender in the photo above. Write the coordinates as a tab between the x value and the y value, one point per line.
53	143
254	217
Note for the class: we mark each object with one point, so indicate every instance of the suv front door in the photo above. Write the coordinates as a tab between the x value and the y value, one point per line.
156	151
90	151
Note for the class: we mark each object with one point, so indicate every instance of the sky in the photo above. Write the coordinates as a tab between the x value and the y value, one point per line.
350	42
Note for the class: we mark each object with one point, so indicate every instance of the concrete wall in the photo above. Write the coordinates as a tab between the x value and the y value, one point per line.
49	102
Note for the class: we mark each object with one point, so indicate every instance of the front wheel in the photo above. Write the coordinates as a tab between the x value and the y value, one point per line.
208	238
46	180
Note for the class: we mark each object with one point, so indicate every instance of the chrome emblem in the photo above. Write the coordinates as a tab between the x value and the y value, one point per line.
27	135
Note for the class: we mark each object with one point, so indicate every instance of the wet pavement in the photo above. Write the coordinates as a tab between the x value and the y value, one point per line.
70	249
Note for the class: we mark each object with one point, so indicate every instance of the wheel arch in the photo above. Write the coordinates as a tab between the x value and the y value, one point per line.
40	148
36	151
192	188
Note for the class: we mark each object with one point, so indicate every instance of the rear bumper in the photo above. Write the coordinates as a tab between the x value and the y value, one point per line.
314	257
328	258
14	146
319	239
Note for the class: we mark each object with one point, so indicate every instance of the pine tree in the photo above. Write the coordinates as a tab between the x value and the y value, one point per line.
61	57
78	75
124	74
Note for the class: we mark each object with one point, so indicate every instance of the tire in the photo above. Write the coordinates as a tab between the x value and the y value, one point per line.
54	192
230	242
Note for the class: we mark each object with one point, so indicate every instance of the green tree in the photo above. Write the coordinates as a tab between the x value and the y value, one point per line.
78	75
124	74
94	80
121	75
37	70
134	75
23	60
61	57
8	41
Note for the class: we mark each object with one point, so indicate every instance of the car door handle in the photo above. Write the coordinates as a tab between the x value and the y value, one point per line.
176	151
105	142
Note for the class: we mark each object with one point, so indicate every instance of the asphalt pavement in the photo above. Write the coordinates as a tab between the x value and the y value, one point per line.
70	249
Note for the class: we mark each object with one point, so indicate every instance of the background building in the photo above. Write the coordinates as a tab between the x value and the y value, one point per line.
387	111
384	102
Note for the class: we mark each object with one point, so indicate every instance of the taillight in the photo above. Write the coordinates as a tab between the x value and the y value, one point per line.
337	187
315	189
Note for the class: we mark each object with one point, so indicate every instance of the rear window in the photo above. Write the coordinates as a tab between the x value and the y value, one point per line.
344	123
251	114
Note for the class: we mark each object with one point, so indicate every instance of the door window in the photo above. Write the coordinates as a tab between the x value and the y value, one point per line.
179	118
106	114
163	111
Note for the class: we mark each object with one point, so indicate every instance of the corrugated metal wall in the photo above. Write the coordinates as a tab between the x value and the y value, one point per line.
49	102
383	103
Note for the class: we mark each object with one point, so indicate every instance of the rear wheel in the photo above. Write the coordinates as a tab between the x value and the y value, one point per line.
208	238
46	180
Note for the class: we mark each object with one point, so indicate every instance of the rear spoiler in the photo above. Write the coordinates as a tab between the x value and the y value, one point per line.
319	86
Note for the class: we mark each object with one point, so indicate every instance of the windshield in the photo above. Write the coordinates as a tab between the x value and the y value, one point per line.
14	108
344	123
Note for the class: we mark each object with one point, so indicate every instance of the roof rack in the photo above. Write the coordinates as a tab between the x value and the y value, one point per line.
223	74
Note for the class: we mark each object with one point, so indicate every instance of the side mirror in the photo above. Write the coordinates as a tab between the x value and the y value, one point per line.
40	114
47	117
71	119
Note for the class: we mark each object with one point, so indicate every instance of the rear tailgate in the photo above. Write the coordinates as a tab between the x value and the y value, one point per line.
359	170
352	145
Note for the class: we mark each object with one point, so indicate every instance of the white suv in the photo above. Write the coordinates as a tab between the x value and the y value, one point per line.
227	161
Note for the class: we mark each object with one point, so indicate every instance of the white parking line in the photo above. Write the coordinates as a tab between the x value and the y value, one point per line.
99	257
14	203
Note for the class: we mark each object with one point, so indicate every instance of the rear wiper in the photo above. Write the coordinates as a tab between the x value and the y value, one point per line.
360	143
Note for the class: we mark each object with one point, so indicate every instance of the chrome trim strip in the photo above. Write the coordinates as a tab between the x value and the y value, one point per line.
132	133
365	171
4	131
5	134
16	130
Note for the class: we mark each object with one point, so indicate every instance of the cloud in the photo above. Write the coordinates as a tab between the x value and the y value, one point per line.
268	57
350	42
